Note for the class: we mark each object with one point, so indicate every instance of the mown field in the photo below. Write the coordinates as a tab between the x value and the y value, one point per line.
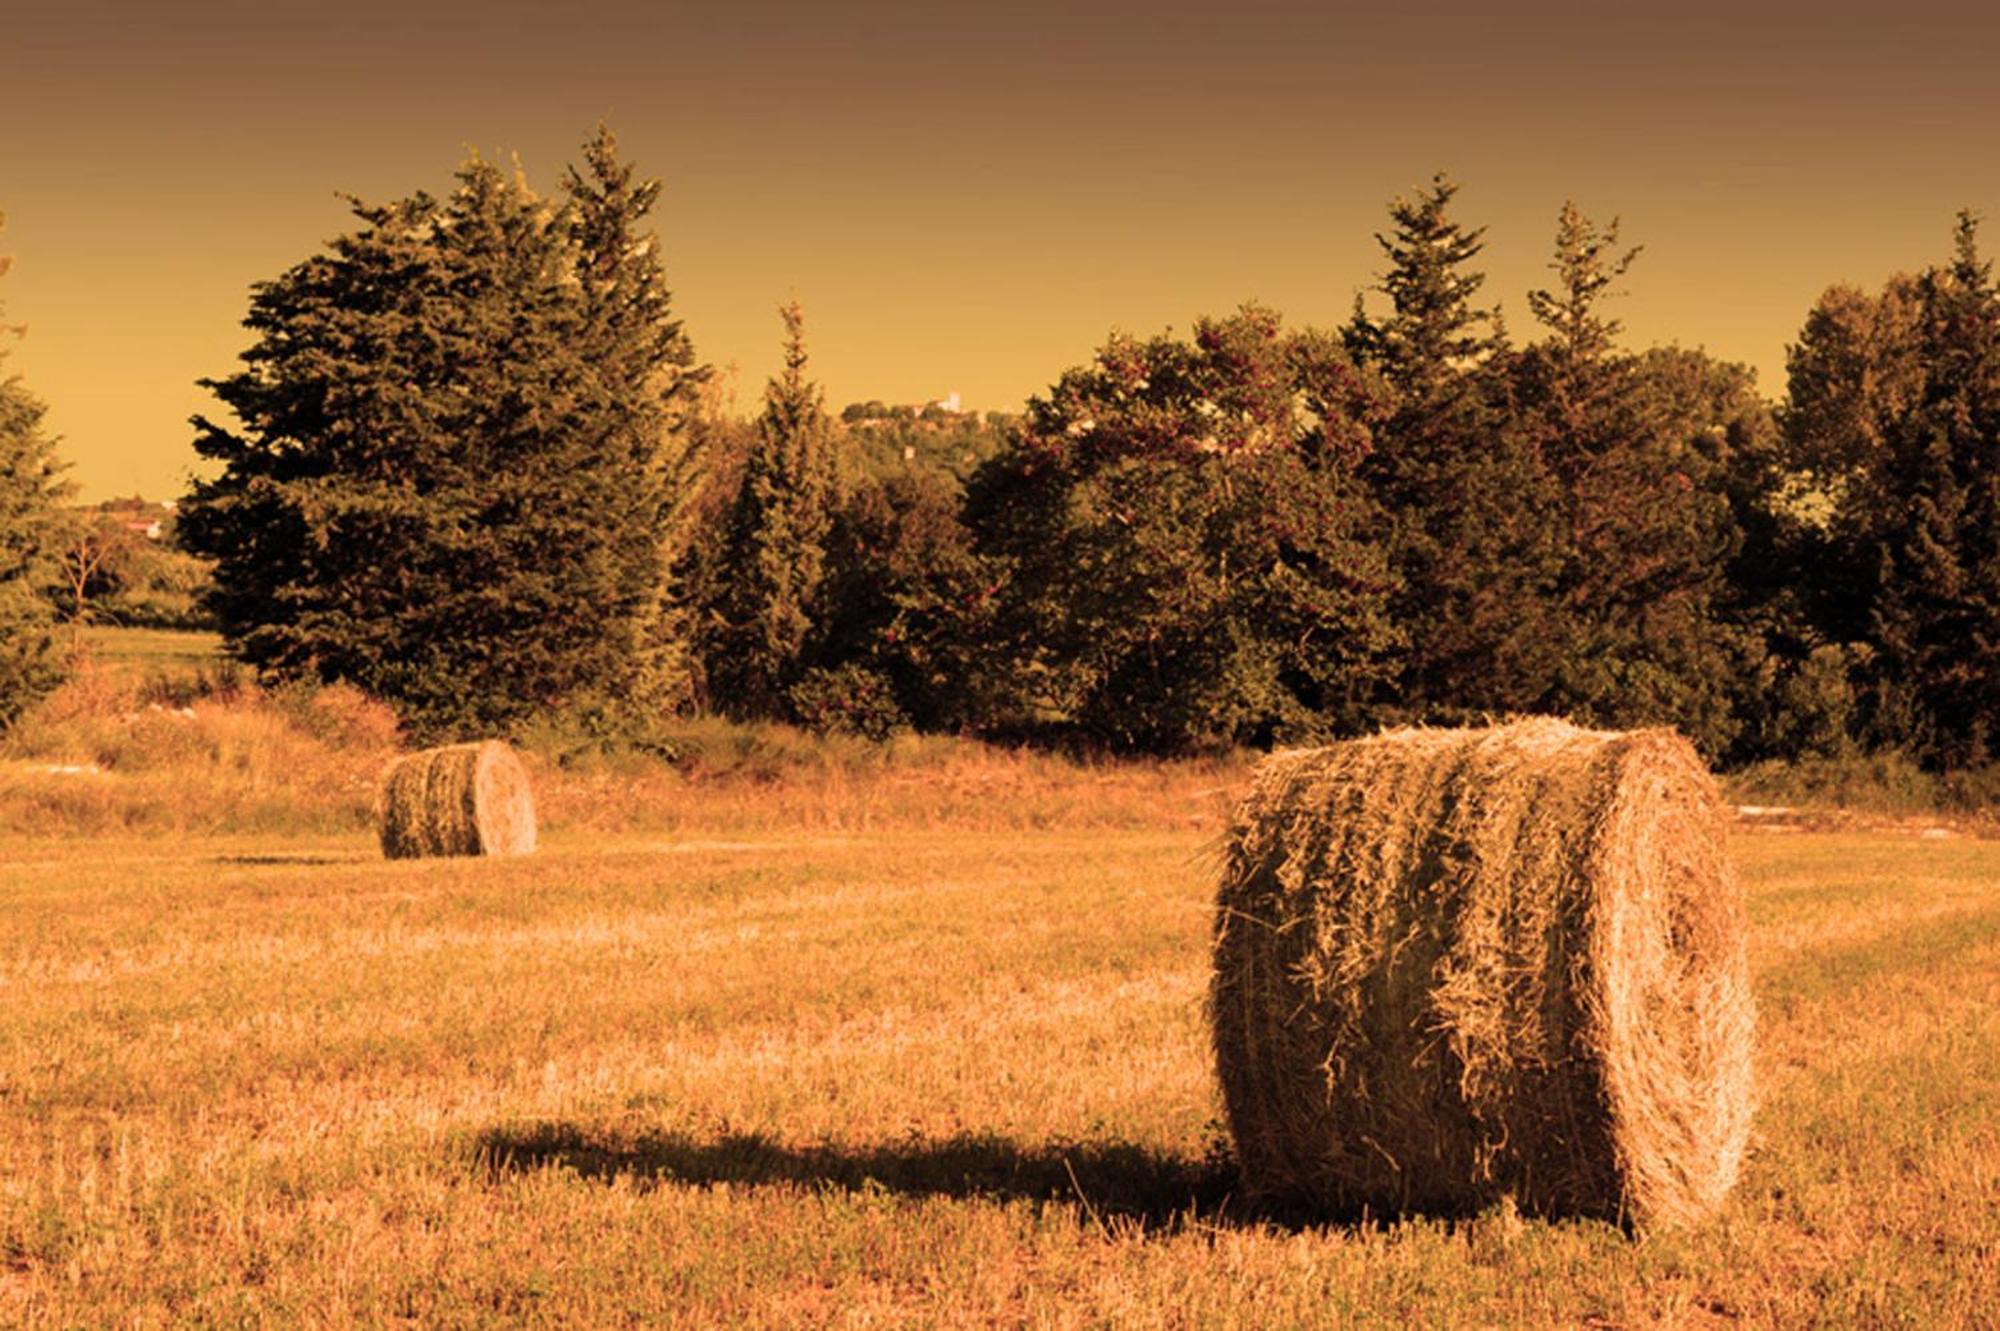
938	1076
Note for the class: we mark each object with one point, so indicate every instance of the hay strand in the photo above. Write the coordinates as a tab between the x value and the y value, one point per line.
1458	966
462	799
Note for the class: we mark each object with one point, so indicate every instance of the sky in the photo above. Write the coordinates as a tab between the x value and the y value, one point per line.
968	199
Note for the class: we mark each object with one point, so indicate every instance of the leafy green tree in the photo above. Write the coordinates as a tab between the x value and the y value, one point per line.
1473	532
1936	613
457	461
1856	369
1892	445
30	488
906	612
775	551
1184	545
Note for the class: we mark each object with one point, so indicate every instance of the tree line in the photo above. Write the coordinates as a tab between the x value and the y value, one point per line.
475	466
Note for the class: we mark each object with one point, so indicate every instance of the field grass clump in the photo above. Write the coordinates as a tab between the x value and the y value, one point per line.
1459	969
112	751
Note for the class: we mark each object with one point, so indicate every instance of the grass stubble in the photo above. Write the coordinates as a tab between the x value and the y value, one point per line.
914	1074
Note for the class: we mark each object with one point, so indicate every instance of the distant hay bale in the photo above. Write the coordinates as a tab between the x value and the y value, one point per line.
463	799
1458	966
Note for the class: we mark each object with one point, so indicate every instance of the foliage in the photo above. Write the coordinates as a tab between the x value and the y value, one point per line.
910	604
459	460
1185	549
849	698
951	447
107	573
1936	615
1804	707
196	752
1895	422
649	386
30	488
479	473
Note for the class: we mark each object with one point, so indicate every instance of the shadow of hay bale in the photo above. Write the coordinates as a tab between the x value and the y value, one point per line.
290	861
1118	1184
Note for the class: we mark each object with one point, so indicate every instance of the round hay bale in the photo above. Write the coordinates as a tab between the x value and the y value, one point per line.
462	799
1458	966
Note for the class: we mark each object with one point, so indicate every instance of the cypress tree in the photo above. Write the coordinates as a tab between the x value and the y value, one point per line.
776	543
30	488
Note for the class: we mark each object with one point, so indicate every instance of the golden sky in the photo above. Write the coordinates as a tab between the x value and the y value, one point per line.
969	199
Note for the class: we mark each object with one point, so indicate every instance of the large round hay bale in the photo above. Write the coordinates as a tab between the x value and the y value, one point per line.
1454	966
462	799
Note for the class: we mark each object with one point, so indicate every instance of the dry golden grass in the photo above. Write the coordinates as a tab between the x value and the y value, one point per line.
893	1073
101	756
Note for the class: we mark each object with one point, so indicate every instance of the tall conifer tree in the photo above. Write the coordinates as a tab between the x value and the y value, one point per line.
1634	449
1472	523
777	536
648	380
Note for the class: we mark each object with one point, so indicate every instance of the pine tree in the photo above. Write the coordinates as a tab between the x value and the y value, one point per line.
30	488
1472	528
776	551
1582	337
1631	447
450	481
1434	332
1936	618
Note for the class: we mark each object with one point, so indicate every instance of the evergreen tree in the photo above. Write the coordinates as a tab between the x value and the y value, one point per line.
455	454
1936	616
30	488
1473	531
1582	337
776	543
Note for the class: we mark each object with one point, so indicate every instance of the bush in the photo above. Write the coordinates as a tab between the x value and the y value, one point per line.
849	698
1885	782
